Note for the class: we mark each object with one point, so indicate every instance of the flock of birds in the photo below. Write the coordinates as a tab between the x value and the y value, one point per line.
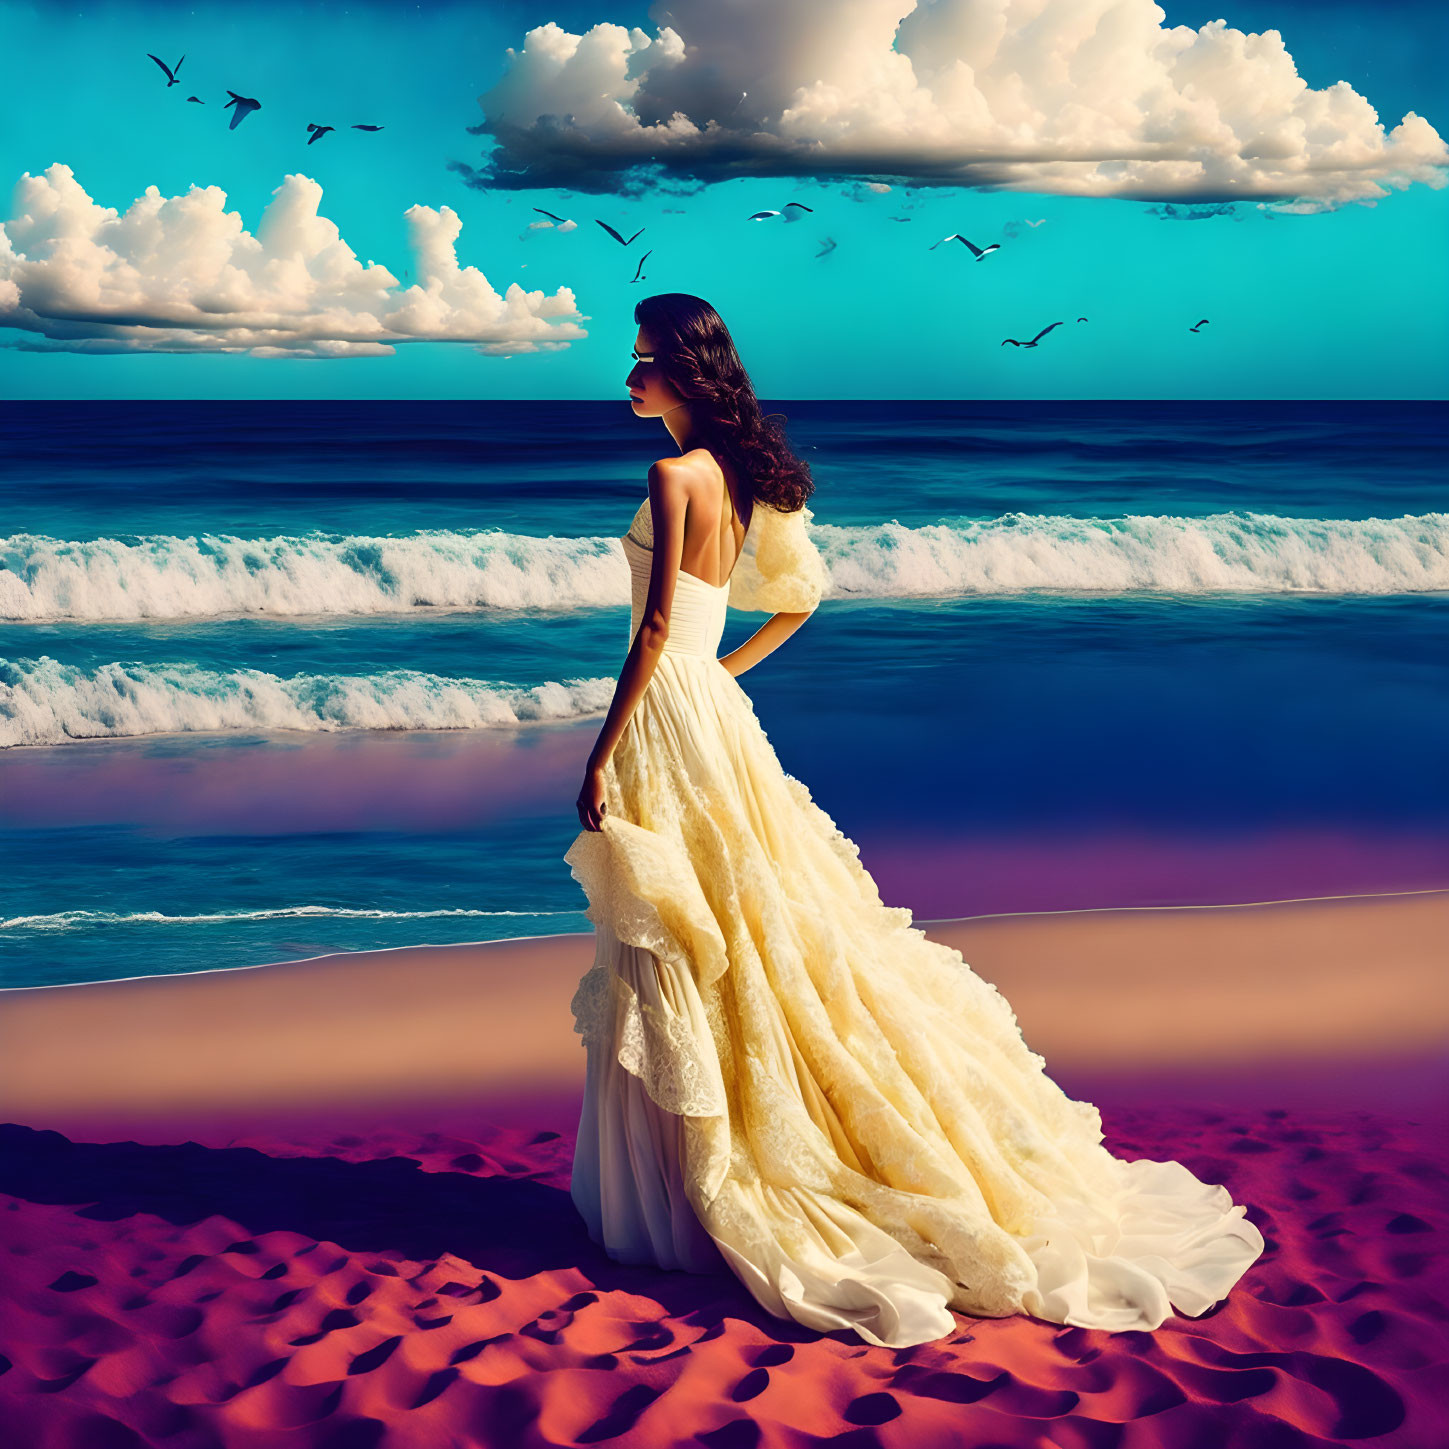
791	211
977	252
245	105
1050	325
564	221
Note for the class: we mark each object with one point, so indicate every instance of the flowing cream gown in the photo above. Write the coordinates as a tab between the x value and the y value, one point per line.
787	1079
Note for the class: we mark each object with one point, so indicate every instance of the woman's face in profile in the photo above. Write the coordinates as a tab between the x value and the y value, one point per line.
650	394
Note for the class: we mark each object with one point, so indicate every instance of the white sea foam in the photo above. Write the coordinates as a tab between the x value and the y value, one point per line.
219	575
88	920
43	701
1229	552
165	577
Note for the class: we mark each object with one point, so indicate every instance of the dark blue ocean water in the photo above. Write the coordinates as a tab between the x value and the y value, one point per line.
1169	617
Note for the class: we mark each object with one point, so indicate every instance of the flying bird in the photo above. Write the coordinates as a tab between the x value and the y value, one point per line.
615	234
1033	341
563	220
197	99
1029	222
828	247
317	132
978	252
170	74
1081	319
1203	323
245	105
793	216
363	128
639	270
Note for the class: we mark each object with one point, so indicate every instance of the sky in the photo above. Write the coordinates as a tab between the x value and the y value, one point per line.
1277	167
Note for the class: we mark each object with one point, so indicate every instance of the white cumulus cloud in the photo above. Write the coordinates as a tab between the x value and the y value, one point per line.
1077	97
182	274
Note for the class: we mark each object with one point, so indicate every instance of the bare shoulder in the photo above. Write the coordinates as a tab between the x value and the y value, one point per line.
671	474
688	467
669	485
683	478
704	471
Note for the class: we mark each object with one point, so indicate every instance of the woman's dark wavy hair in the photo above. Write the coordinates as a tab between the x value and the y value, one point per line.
696	354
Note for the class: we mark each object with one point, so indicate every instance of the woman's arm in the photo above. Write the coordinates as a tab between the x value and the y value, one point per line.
765	640
668	500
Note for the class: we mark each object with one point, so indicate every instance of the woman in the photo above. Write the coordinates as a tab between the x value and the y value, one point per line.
786	1078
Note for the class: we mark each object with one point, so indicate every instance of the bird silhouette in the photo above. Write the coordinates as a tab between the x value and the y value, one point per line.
1081	319
197	99
317	132
1033	341
245	105
170	74
828	245
362	128
615	234
563	220
639	270
793	216
978	252
1203	323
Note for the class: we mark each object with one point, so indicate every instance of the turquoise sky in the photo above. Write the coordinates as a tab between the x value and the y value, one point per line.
1349	303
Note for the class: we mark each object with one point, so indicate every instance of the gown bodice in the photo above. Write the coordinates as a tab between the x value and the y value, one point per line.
778	568
697	614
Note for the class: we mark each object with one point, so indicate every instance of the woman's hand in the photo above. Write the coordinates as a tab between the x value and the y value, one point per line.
591	799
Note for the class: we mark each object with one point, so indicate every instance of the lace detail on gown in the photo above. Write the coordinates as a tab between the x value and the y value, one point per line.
848	1111
779	569
657	1044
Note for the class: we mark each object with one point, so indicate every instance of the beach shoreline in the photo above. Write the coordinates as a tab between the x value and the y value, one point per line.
1213	998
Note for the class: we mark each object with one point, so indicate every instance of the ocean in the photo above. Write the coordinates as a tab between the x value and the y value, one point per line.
282	679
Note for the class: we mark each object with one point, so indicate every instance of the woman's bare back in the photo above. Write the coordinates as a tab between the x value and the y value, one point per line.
714	529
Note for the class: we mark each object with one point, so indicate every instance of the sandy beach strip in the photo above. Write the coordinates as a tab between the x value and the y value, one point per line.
1111	991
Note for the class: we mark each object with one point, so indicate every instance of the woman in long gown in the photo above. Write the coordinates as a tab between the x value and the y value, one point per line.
785	1078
